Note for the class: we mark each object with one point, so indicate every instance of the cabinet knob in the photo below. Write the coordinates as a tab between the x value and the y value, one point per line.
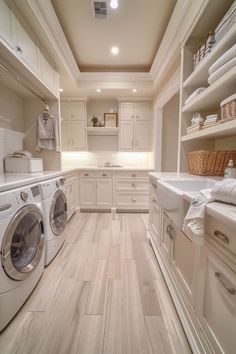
154	201
133	184
133	175
104	175
134	200
86	174
19	49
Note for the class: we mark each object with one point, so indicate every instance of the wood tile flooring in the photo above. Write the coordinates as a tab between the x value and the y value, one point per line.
103	293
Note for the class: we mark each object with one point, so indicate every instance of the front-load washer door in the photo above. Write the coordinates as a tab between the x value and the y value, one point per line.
58	213
23	243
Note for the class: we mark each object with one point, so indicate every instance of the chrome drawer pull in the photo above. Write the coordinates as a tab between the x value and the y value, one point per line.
221	236
133	175
104	175
221	279
86	174
134	200
154	201
154	186
170	231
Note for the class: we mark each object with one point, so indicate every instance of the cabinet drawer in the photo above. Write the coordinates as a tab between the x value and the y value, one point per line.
130	184
104	174
132	200
132	174
218	304
87	174
222	236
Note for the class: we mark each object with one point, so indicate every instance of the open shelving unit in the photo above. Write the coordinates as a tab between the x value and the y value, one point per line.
220	136
102	130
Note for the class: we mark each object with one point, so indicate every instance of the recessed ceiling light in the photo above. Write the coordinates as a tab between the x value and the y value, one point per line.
61	90
134	90
114	50
114	4
98	90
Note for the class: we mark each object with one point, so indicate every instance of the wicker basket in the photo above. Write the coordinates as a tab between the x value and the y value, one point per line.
228	108
209	163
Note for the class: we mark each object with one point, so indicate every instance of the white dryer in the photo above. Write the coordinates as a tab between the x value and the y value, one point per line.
55	216
22	248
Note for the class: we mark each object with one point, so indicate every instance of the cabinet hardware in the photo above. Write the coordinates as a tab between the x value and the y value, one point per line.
154	201
86	174
223	281
154	186
133	184
222	237
132	116
19	49
133	175
104	175
134	200
170	231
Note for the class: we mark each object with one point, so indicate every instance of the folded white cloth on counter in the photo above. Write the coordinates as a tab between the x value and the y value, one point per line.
222	70
228	55
195	94
194	220
225	191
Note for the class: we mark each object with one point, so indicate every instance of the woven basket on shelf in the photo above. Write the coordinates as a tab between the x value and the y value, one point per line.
228	111
209	163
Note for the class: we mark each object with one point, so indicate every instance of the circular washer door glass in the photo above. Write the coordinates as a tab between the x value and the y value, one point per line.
58	217
25	241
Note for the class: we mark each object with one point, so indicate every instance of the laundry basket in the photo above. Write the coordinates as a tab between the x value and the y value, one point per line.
209	163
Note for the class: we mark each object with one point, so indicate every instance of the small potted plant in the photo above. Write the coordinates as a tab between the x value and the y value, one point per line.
94	120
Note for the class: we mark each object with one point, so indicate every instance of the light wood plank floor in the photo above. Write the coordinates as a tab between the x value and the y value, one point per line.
103	293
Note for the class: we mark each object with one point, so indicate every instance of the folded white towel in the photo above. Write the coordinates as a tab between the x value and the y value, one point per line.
228	55
195	93
194	220
222	70
225	191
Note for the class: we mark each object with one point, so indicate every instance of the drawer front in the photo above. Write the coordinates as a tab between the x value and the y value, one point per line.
132	200
104	174
218	305
222	235
87	174
131	184
132	174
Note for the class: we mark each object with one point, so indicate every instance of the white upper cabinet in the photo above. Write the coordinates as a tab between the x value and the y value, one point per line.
135	119
73	126
24	54
25	47
5	24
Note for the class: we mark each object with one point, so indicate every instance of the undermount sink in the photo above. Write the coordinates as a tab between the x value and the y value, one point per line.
170	196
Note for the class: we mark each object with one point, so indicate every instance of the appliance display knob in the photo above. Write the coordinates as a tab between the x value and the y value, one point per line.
57	184
24	196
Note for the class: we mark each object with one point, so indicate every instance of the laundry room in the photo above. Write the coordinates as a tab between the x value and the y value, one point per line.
117	176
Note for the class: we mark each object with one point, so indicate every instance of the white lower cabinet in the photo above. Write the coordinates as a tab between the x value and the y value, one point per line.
166	237
96	190
71	191
155	218
184	261
217	304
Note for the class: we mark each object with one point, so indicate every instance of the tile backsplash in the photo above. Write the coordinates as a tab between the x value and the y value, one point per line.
10	141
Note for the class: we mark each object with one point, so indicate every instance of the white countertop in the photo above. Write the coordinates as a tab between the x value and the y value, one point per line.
14	180
224	212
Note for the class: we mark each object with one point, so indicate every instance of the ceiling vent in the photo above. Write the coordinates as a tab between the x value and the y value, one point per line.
100	9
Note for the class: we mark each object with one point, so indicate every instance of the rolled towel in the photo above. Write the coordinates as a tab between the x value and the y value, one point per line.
225	191
222	70
228	55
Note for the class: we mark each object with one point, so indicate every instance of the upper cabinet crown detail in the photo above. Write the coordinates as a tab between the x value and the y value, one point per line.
24	54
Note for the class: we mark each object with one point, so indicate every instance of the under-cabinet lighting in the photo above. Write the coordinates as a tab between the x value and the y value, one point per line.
98	90
134	90
60	89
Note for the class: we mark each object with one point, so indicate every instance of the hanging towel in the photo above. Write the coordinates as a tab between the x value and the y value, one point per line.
47	133
225	191
195	218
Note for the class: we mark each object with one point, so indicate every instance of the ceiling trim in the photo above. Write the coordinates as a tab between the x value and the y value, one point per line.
115	76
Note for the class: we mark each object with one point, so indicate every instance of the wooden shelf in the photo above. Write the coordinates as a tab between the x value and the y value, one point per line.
199	76
102	130
218	131
211	97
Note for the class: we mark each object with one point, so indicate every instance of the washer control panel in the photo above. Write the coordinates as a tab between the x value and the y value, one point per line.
28	194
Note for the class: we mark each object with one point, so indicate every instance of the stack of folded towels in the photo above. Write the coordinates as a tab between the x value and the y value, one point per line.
222	65
223	191
226	23
210	121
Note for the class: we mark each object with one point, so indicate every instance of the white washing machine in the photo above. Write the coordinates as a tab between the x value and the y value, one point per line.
55	216
22	248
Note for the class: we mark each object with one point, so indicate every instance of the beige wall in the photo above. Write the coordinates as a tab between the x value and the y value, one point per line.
99	107
11	110
170	134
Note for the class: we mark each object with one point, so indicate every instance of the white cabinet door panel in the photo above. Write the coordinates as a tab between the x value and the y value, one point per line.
142	142
218	304
127	111
87	192
104	192
77	109
65	135
127	135
142	110
77	135
5	24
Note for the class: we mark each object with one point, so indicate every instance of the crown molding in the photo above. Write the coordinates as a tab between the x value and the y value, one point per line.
115	76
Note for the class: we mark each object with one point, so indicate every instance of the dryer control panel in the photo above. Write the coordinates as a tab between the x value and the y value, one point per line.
28	194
